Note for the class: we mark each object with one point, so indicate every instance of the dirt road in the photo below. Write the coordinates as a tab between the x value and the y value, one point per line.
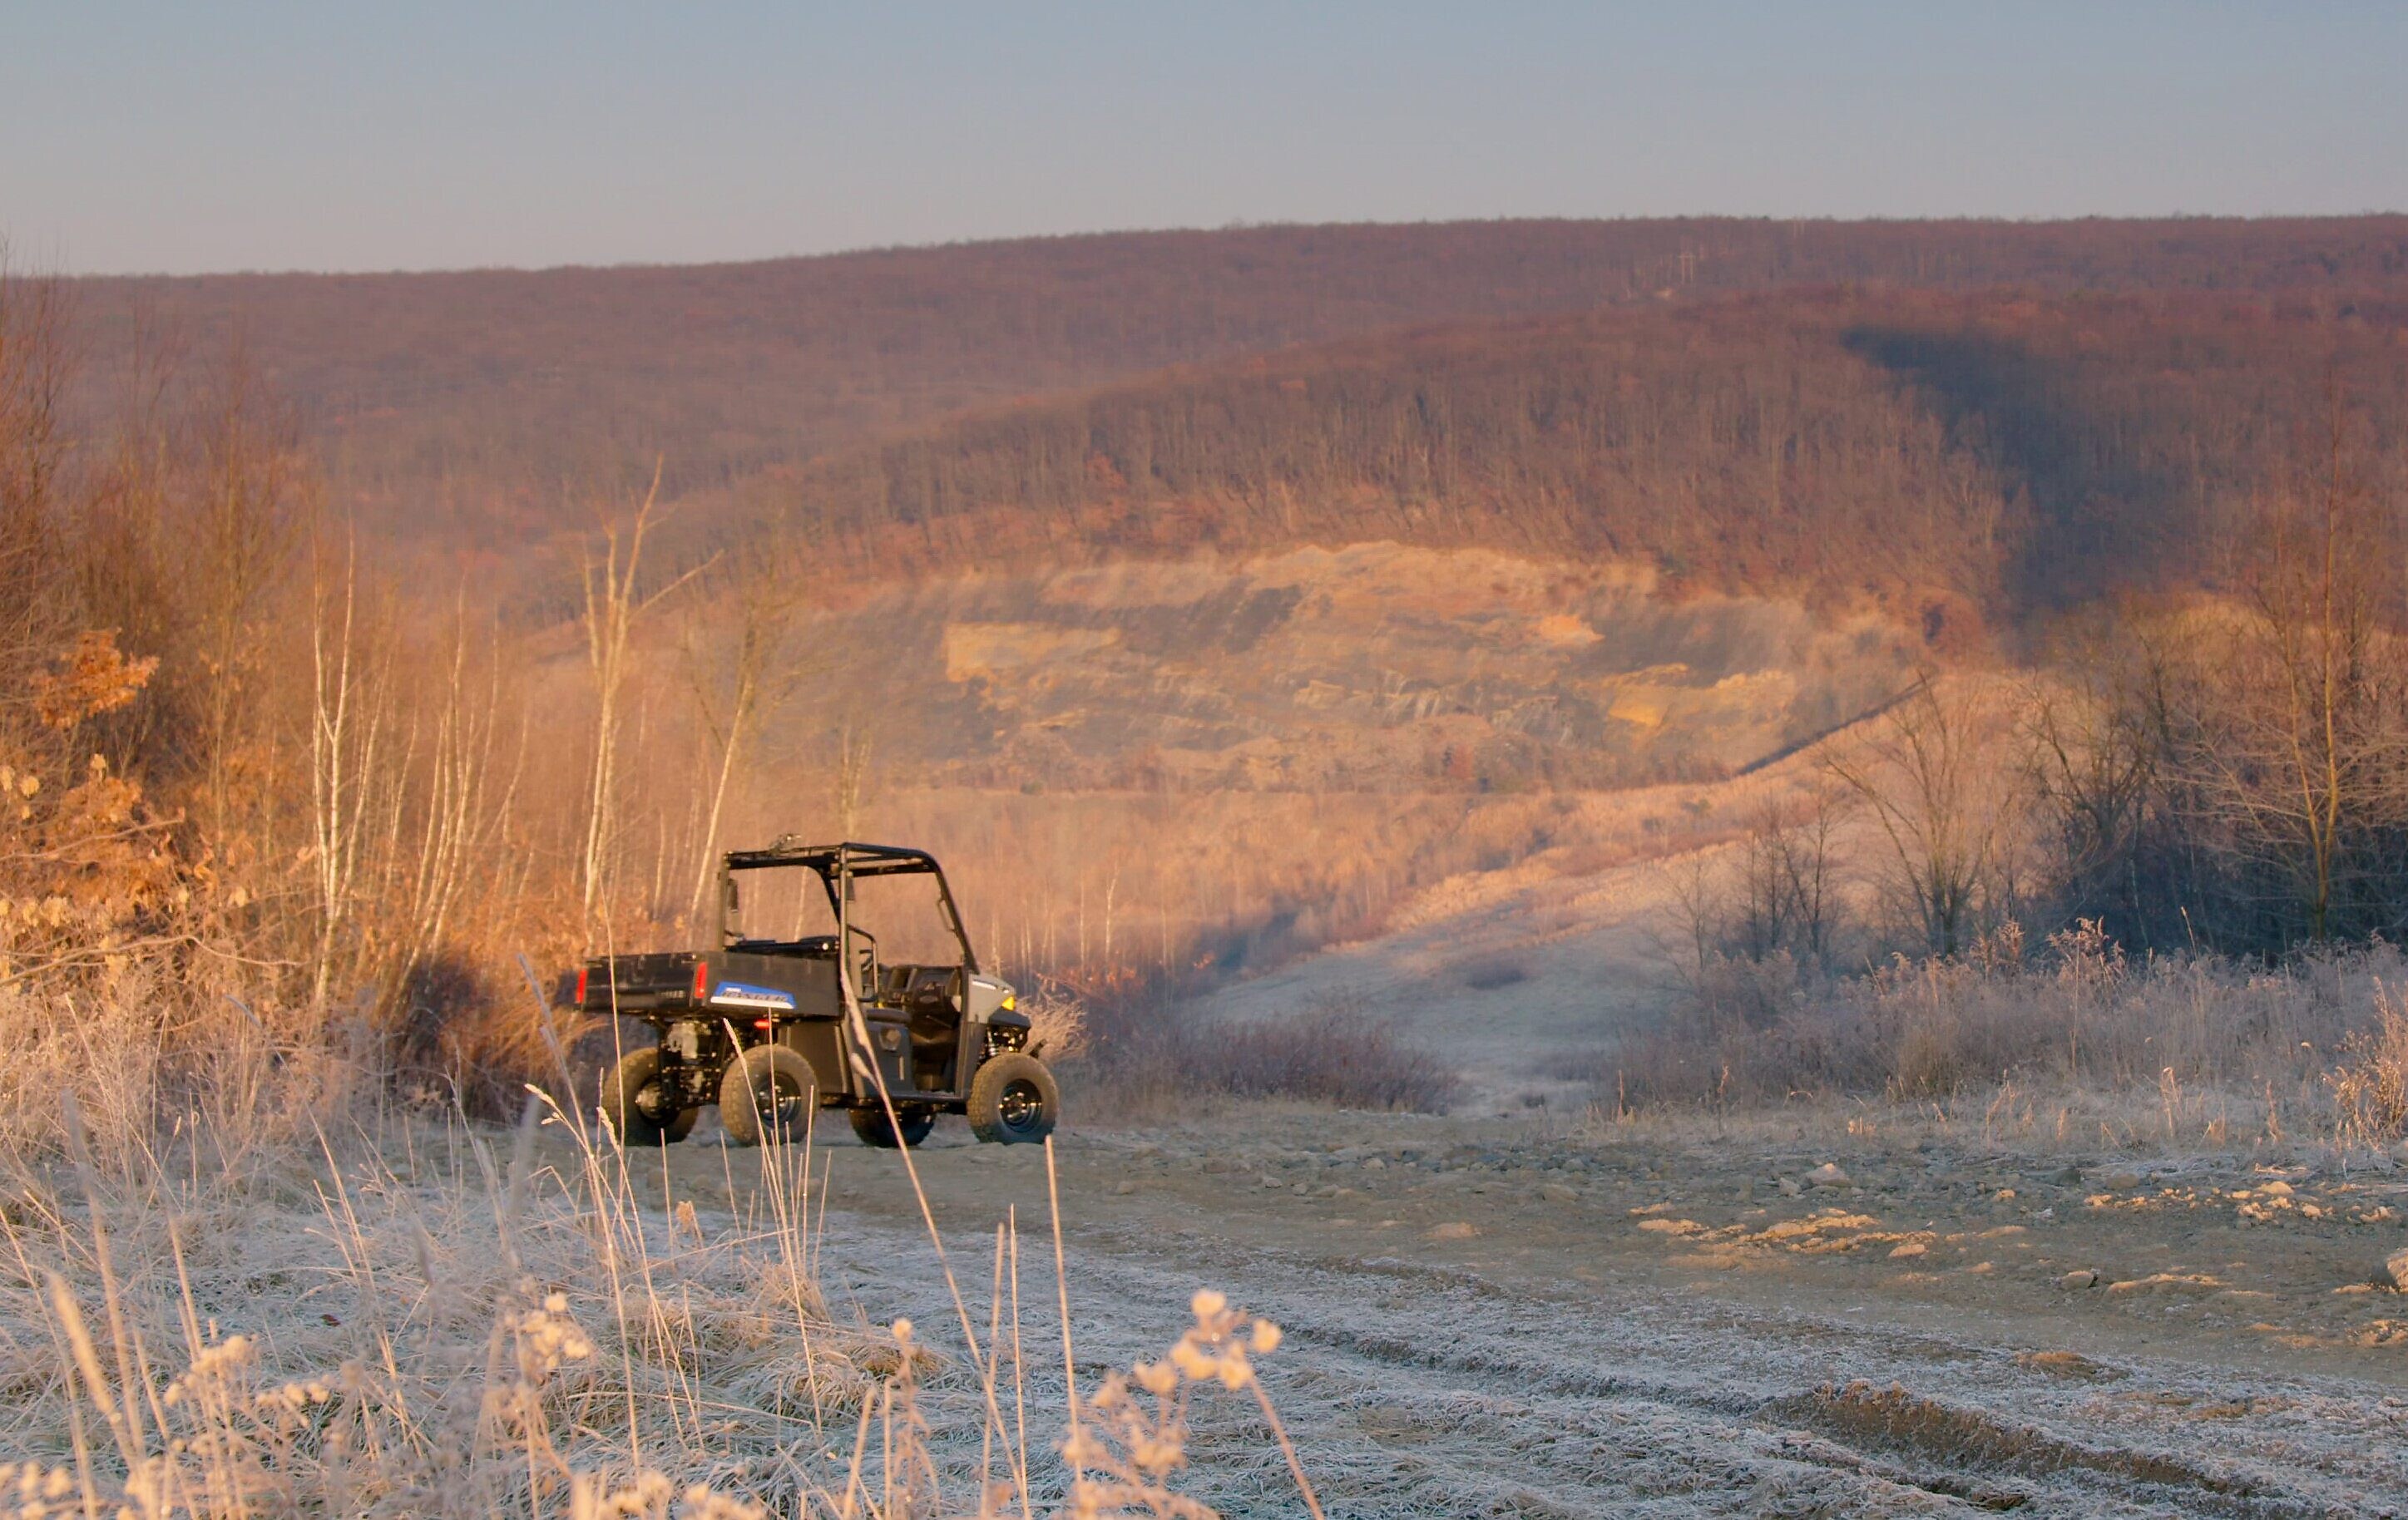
1488	1318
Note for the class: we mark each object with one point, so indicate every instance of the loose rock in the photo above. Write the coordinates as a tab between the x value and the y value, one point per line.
2394	1271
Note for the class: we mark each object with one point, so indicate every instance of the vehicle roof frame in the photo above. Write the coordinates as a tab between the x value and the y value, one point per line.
836	864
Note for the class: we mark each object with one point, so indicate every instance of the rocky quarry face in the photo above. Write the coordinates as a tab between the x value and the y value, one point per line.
1375	667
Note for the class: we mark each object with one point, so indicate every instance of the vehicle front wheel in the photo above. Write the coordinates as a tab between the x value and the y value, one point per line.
768	1095
1013	1101
871	1126
634	1103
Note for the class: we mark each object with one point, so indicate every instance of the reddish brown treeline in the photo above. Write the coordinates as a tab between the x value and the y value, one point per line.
456	403
1991	454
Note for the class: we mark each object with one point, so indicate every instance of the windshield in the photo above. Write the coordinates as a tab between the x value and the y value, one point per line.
905	913
782	905
907	917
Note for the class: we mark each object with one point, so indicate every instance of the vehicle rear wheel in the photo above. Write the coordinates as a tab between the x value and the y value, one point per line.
635	1103
871	1126
768	1095
1013	1101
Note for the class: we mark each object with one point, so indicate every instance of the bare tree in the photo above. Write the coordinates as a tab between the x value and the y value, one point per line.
464	803
1927	777
1806	844
2096	735
614	604
2308	769
851	776
1783	896
760	676
34	367
244	525
348	728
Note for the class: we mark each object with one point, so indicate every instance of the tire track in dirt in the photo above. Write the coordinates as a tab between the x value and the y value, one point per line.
1419	1390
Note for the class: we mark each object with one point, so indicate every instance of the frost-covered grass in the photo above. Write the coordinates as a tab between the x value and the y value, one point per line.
411	1315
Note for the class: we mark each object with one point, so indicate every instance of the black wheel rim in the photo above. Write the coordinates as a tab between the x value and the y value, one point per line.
1020	1106
779	1100
648	1105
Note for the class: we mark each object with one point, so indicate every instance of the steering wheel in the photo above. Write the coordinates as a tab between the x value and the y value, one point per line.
932	988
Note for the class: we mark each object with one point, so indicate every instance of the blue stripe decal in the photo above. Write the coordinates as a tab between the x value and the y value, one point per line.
742	995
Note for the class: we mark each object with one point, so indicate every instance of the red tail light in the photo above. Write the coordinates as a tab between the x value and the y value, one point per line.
701	980
582	972
760	1022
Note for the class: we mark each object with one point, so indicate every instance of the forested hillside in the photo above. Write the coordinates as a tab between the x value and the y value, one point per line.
477	405
1978	455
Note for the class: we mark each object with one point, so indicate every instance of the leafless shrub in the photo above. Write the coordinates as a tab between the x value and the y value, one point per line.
1337	1050
2370	1087
2076	1014
1057	1020
1745	1031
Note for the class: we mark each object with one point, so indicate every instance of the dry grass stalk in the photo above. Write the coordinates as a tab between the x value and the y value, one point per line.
1127	1440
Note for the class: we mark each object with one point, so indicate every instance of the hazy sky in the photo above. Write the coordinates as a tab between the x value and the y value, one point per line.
343	136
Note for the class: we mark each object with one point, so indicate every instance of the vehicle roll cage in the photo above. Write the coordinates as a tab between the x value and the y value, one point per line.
838	866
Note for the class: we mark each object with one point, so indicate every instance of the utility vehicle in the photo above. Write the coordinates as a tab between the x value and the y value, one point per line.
775	1022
